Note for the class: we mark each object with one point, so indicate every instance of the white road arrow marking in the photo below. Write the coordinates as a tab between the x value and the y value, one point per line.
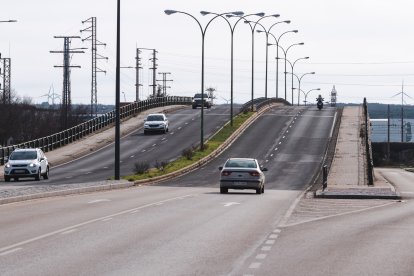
230	204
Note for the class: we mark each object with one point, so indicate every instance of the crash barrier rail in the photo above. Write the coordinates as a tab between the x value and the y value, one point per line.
77	132
368	147
260	102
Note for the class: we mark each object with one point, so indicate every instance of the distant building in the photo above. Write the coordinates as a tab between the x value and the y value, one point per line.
333	96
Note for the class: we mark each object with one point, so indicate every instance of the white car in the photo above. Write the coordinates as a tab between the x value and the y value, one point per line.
242	173
156	122
30	162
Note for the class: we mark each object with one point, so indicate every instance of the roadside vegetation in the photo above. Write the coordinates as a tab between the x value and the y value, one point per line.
145	170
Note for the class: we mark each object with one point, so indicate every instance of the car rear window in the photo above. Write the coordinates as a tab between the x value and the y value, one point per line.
241	164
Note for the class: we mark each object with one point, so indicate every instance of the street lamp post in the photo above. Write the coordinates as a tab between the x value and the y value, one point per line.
293	65
299	81
241	16
285	53
253	29
277	40
203	33
306	93
117	92
267	32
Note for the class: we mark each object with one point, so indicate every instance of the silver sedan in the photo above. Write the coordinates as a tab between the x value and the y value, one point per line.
242	173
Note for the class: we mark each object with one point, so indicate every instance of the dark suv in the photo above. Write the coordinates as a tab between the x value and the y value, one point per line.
198	101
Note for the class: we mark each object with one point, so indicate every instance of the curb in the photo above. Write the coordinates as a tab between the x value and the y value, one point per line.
83	190
358	193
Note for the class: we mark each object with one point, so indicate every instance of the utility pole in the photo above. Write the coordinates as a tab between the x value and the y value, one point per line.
66	92
164	82
5	71
137	67
154	72
95	56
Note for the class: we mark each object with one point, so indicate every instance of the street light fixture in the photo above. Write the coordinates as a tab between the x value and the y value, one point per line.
8	21
292	65
267	32
285	53
232	29
306	94
299	81
253	28
203	33
277	40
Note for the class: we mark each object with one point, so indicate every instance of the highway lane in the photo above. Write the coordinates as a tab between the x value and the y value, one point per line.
99	165
180	227
285	140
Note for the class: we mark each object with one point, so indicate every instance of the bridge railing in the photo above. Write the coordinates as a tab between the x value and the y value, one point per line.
77	132
259	102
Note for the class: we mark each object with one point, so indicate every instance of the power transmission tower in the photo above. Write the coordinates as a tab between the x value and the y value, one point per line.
66	93
95	57
164	82
5	71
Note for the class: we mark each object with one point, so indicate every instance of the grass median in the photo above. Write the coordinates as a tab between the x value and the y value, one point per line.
146	170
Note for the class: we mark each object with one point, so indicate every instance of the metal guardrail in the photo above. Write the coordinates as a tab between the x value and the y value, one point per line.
77	132
368	147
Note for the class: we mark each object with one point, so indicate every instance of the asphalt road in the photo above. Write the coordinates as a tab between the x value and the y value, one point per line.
137	147
181	227
374	237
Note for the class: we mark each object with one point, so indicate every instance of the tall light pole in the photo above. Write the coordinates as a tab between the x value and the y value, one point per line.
117	92
277	40
253	28
203	33
306	93
299	81
285	53
267	32
292	65
232	29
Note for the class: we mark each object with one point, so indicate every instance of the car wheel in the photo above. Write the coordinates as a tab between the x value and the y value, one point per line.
263	189
145	132
224	190
7	178
46	175
194	107
259	191
37	177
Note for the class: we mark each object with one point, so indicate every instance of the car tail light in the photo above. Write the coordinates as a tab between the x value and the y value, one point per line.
225	173
254	173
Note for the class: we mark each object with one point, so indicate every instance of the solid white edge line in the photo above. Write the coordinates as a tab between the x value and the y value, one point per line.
10	251
333	126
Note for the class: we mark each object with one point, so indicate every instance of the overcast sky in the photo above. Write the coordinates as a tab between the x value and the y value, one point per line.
363	47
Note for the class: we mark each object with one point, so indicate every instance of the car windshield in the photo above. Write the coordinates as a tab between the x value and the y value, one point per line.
155	118
199	96
23	155
238	163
